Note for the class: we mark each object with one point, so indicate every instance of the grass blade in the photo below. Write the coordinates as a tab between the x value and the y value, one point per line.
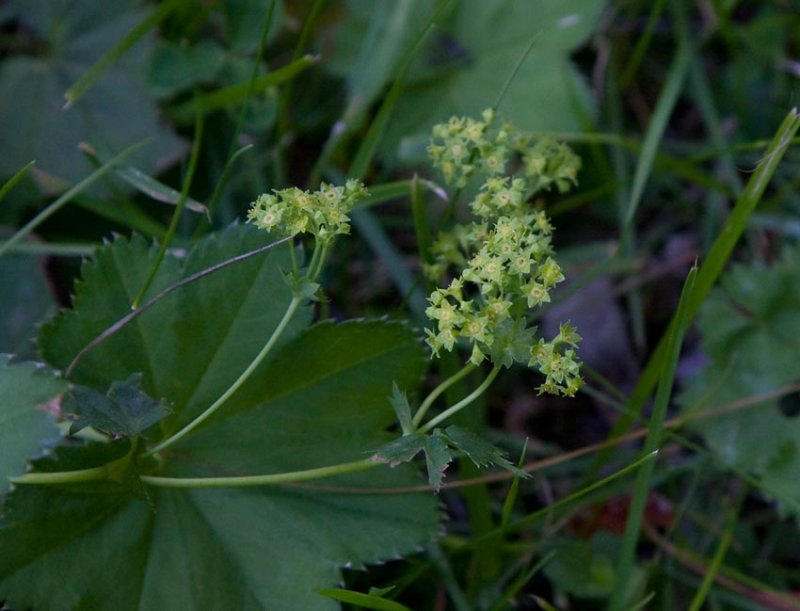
12	182
655	131
520	582
652	442
716	561
283	120
93	74
198	138
366	151
241	92
365	601
711	268
143	183
57	250
368	226
569	499
65	198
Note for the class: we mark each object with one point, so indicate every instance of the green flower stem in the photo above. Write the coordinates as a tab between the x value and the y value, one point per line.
463	403
64	477
317	261
293	255
426	404
260	480
290	311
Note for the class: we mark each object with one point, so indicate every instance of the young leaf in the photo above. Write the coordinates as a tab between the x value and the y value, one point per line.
480	451
125	411
401	407
437	458
25	426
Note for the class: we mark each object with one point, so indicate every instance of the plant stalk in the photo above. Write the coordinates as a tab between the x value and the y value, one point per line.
426	404
290	312
260	480
463	403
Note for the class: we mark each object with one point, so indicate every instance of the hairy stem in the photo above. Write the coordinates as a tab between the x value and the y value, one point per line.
463	403
317	261
288	477
426	404
64	477
290	311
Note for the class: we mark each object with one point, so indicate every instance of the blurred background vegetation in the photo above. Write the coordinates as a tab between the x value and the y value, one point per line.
670	105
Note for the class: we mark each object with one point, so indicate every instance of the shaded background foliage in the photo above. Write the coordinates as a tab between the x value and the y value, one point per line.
599	75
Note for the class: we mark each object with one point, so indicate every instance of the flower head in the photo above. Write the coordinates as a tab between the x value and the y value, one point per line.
323	213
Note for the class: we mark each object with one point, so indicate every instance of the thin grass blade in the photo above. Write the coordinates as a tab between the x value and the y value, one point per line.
197	141
711	267
65	198
12	182
240	92
364	601
99	68
653	440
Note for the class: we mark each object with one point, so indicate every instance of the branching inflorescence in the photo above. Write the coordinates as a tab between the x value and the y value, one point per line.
501	264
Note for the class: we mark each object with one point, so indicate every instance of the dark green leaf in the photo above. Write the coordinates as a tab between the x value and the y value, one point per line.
125	411
478	450
26	301
467	61
319	400
177	67
750	332
26	425
195	342
116	113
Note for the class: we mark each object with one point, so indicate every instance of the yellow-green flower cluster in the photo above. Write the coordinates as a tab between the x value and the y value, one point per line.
505	258
556	359
324	213
547	162
463	147
512	266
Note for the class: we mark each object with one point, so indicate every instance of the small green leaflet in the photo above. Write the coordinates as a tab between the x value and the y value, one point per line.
125	411
479	451
437	458
401	407
436	447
